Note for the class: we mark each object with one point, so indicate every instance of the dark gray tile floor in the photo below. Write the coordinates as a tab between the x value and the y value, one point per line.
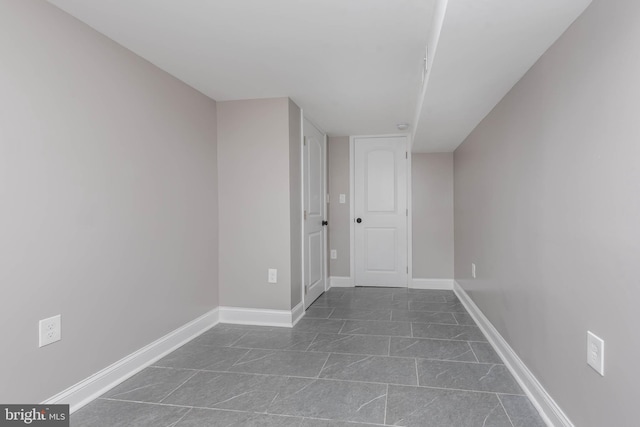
359	357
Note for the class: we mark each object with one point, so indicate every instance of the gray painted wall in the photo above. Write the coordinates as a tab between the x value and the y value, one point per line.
255	224
547	204
432	209
339	233
109	204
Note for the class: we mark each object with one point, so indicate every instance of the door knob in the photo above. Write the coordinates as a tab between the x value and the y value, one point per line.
359	220
325	222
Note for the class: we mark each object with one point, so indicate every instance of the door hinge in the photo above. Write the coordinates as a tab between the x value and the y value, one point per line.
407	211
304	140
305	215
406	154
306	289
407	269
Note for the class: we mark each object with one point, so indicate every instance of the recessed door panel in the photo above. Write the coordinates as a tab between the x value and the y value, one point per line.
380	248
381	181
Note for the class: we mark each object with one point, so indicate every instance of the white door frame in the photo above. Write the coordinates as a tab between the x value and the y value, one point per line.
352	229
303	207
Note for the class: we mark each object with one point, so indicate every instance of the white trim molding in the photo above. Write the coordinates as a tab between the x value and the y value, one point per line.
78	395
549	410
261	316
297	313
340	282
438	284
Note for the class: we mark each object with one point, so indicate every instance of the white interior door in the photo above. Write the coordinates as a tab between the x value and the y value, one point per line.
380	185
314	213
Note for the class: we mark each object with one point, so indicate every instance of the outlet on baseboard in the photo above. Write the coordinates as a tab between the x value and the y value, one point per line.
50	331
473	270
273	275
334	254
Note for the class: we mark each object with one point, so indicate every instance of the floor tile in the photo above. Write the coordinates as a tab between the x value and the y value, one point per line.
150	385
354	360
243	392
381	369
431	349
308	422
425	407
276	340
319	325
485	353
126	414
427	297
521	411
464	319
275	362
447	332
423	317
369	327
335	400
449	307
353	344
467	376
194	356
217	417
318	312
219	337
359	314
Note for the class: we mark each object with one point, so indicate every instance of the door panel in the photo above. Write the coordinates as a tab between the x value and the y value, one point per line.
314	205
381	205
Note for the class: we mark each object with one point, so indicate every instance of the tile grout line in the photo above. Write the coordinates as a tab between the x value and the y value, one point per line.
205	408
505	410
349	381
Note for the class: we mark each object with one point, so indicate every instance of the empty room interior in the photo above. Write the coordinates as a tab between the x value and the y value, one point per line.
320	213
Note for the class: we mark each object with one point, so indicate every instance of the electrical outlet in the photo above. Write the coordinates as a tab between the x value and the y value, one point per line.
273	275
595	352
473	270
343	198
49	330
334	254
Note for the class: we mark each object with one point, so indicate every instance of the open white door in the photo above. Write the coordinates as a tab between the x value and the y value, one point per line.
380	185
314	213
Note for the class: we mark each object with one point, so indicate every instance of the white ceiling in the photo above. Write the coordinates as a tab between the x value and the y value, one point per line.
354	66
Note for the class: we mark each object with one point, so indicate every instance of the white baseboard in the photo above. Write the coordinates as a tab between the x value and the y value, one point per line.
340	282
297	313
549	410
261	316
99	383
437	284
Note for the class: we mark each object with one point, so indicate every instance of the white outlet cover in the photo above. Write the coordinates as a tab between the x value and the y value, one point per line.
334	254
343	198
473	270
49	330
595	352
273	275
